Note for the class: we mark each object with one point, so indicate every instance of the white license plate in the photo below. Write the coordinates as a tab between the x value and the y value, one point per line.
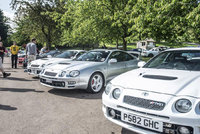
142	121
48	81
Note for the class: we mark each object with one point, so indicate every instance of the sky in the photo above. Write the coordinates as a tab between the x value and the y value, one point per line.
4	5
8	12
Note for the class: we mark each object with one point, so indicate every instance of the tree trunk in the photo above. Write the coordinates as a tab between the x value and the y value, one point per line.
124	44
117	43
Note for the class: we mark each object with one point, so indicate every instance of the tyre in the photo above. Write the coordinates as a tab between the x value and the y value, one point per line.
96	83
150	55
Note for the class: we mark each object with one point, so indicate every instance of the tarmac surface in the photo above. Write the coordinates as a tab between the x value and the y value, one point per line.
27	107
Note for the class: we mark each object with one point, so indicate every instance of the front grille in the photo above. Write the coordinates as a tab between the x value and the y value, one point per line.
35	65
50	73
144	103
53	83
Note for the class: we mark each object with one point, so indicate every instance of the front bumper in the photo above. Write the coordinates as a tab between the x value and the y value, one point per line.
171	123
63	83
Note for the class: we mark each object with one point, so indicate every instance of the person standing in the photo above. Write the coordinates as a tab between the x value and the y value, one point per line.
31	50
2	51
14	54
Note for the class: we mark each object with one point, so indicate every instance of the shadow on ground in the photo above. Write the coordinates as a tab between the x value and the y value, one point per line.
36	78
17	79
76	93
7	107
126	131
20	90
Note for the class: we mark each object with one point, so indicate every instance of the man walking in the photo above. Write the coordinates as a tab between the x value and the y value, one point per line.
31	50
14	51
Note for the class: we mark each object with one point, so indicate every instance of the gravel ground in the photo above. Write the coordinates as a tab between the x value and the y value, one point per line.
26	107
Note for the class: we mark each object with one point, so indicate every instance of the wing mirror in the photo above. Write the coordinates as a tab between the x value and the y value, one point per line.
112	61
141	64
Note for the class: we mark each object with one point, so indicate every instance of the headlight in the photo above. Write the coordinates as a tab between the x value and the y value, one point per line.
183	105
116	93
108	88
62	74
74	73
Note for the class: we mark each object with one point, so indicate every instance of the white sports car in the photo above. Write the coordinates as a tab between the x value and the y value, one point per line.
36	66
163	96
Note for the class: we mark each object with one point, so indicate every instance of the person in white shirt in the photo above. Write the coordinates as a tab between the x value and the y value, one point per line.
31	50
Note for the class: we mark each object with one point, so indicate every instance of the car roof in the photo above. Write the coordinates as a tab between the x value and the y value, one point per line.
110	50
75	50
184	48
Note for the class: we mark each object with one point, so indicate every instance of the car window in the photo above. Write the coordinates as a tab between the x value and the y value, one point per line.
97	56
80	53
135	55
67	54
178	60
121	56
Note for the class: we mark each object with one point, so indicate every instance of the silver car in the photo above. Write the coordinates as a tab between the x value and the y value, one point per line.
90	71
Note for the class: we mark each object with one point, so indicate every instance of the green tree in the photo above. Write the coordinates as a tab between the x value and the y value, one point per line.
4	27
40	24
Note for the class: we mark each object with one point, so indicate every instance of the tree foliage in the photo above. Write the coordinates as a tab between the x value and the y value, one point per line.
94	22
4	27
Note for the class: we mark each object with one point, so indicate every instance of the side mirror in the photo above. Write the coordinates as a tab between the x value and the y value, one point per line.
112	61
141	64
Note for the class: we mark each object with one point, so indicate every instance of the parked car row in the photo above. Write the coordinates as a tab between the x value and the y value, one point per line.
161	96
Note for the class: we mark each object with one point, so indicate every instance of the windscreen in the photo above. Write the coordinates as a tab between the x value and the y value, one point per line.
177	60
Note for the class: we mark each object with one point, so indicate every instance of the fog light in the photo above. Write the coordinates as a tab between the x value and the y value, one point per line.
112	113
184	130
167	125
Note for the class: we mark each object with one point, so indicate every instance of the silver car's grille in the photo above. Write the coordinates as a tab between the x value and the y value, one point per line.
144	103
35	65
50	73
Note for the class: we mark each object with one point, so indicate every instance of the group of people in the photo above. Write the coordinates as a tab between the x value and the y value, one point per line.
31	52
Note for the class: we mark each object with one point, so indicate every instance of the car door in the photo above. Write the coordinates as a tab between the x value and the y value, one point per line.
130	61
116	68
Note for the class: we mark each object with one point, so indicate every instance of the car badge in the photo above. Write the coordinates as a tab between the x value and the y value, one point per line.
145	94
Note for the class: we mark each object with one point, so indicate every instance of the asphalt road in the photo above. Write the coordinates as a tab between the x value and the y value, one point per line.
26	107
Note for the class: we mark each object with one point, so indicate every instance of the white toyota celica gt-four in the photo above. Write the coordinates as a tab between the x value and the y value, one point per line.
163	96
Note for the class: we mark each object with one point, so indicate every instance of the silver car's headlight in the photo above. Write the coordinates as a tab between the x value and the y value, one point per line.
183	105
62	74
74	73
108	88
116	93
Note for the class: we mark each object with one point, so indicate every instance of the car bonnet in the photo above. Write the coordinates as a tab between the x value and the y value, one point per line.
174	82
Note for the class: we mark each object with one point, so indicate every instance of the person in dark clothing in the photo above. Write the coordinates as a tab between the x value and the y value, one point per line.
14	51
2	51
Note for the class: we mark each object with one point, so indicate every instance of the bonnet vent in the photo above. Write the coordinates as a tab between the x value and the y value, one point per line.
160	77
